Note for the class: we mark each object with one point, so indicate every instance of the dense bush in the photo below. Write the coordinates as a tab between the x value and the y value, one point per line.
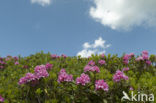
46	78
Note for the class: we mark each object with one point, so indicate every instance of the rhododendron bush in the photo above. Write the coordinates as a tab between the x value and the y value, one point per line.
50	78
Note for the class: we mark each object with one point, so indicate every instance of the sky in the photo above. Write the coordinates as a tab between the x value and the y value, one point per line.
77	27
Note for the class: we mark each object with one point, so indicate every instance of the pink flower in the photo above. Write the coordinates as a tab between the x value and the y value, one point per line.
28	78
91	63
91	68
16	63
119	75
145	57
2	62
39	68
102	62
125	69
131	88
64	77
148	62
83	79
41	71
48	66
139	59
1	99
64	56
144	52
126	58
131	55
100	84
54	56
103	55
41	74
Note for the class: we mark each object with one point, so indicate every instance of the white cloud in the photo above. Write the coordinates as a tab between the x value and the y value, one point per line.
98	47
41	2
124	14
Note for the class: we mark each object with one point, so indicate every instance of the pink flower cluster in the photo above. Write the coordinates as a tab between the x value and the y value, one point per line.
29	77
2	62
40	72
101	84
144	57
64	77
1	99
16	63
91	63
54	56
127	57
119	75
83	79
101	62
49	66
91	67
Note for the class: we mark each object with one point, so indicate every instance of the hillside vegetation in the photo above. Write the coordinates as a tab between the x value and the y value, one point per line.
48	78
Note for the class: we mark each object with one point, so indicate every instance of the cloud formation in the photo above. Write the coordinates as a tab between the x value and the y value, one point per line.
124	14
41	2
98	47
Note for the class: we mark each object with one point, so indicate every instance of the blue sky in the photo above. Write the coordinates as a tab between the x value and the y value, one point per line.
63	26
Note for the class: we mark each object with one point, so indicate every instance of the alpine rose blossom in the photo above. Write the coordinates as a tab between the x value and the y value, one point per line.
91	63
54	56
39	68
83	79
48	66
148	62
1	99
139	59
119	75
144	57
102	55
41	74
101	85
102	62
126	59
131	55
91	68
64	77
16	63
131	88
28	78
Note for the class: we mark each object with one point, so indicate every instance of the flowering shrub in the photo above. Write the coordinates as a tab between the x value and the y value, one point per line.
101	78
